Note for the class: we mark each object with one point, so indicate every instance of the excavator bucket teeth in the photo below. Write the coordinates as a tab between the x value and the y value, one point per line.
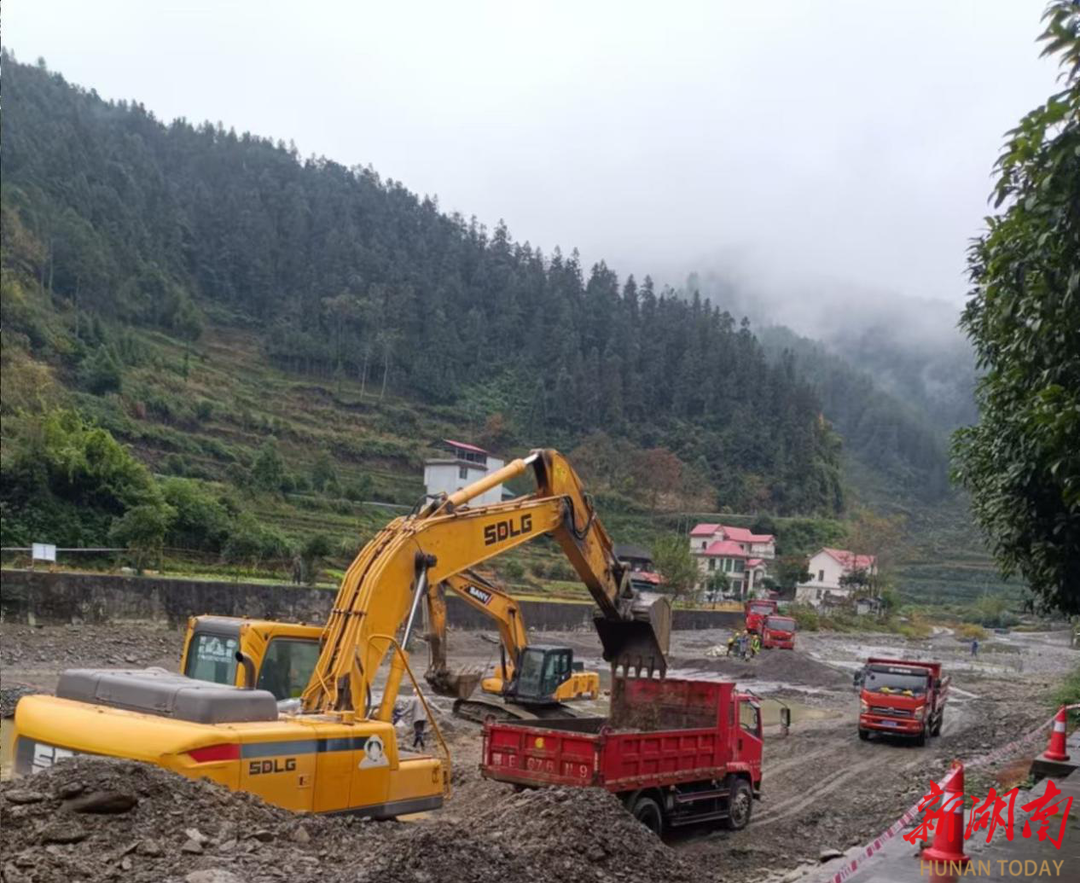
632	646
457	685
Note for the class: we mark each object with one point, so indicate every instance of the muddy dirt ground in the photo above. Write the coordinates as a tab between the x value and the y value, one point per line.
823	789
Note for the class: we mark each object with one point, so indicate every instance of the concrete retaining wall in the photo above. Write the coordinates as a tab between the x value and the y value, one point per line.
57	598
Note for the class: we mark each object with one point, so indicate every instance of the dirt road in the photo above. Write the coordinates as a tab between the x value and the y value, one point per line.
823	789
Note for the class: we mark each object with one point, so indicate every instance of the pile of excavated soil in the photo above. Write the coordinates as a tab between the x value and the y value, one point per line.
785	666
10	696
92	818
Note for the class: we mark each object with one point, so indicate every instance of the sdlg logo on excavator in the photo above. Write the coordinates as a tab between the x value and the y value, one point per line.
511	527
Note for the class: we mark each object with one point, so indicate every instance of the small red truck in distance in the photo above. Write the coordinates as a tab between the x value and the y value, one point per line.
675	751
779	633
756	611
902	698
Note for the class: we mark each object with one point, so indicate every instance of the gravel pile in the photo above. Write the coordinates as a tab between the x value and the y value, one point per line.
95	819
10	696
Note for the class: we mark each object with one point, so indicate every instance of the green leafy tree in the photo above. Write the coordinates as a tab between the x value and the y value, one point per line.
322	472
142	529
268	470
1021	462
671	555
201	521
790	571
101	372
315	548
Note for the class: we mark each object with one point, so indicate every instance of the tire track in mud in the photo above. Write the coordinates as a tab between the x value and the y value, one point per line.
790	806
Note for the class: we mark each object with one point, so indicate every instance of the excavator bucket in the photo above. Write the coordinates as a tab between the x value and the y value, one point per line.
455	684
638	645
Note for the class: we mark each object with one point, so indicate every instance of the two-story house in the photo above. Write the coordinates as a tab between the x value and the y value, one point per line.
826	568
734	551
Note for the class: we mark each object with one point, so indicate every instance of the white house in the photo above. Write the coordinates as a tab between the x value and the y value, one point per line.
734	551
756	545
462	465
826	568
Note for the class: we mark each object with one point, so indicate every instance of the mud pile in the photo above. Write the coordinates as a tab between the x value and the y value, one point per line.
10	696
553	834
785	666
100	818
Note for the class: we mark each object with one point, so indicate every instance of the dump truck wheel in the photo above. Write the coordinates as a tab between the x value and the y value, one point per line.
936	731
920	740
647	811
740	805
864	734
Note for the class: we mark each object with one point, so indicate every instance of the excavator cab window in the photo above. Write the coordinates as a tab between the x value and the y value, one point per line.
287	666
212	657
541	672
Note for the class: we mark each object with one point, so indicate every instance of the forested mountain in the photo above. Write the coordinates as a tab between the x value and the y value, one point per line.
119	218
878	429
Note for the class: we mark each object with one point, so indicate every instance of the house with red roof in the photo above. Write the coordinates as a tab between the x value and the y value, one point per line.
738	553
826	568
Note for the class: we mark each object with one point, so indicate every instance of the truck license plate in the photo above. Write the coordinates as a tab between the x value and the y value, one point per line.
888	723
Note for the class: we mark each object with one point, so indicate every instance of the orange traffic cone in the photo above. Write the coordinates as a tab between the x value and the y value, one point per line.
1056	749
948	845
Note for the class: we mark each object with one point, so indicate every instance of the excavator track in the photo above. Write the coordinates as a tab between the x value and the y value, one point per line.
480	709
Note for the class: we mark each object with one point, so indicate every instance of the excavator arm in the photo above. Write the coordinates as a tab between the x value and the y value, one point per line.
385	584
487	598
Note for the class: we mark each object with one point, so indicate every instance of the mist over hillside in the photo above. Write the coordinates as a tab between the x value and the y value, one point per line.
911	347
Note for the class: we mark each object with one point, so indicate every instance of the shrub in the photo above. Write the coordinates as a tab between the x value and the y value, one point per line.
806	618
512	569
251	542
268	470
201	521
142	529
359	489
101	372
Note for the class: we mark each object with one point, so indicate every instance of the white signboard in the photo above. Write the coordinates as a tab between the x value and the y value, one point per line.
44	552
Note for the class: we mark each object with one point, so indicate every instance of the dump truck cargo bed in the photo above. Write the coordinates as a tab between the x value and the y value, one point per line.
684	744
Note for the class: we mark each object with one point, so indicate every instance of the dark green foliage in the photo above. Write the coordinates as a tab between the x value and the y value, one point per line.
66	482
201	522
142	529
268	470
348	275
251	542
1021	463
322	472
315	548
360	489
101	372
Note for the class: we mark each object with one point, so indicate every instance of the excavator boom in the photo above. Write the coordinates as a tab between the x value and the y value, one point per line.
389	578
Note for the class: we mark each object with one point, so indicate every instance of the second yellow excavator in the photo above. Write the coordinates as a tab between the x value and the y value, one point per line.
530	680
339	752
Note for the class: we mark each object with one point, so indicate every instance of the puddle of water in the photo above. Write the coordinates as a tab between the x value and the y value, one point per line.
7	739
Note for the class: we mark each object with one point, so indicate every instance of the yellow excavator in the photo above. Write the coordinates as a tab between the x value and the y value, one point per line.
338	752
530	681
280	657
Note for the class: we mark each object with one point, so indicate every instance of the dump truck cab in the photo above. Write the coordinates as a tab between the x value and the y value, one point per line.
902	698
756	611
279	657
778	633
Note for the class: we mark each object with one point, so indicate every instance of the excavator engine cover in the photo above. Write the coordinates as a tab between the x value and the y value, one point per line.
640	644
166	694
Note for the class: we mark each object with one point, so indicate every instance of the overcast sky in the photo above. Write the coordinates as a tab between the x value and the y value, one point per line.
820	140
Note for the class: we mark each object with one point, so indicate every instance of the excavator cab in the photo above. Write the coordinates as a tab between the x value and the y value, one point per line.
540	670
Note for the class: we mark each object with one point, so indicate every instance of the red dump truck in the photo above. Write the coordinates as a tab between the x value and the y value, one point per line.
901	697
778	633
674	751
756	611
